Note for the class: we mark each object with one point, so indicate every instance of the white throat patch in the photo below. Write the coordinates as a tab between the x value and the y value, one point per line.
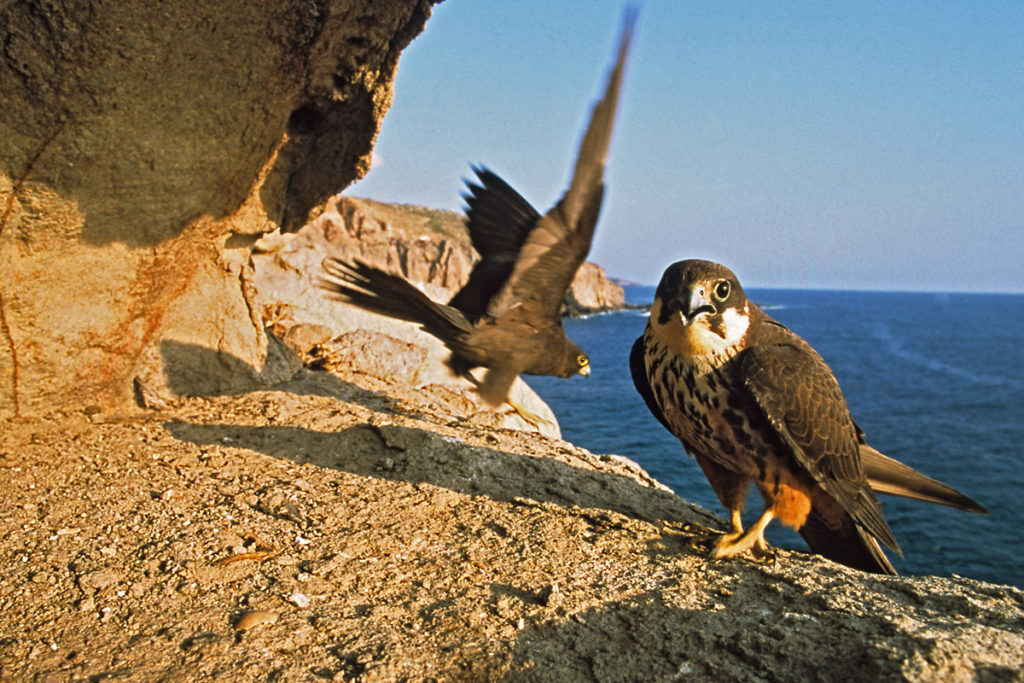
697	340
736	325
709	343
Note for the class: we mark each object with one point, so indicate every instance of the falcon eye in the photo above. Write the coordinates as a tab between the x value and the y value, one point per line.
722	290
583	361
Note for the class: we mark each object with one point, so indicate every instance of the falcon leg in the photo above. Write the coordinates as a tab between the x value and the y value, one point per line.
735	529
531	418
736	521
739	541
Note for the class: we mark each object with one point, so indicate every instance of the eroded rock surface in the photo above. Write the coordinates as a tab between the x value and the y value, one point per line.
341	527
143	147
432	247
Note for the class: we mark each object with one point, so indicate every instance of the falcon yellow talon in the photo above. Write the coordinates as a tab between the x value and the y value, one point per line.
532	418
752	539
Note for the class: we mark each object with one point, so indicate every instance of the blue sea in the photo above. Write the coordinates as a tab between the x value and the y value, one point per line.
935	380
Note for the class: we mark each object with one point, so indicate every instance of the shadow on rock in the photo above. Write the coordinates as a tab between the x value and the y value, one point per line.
193	370
421	456
646	640
804	620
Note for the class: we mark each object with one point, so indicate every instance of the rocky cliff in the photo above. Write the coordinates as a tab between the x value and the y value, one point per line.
143	147
367	523
371	523
343	527
593	291
431	247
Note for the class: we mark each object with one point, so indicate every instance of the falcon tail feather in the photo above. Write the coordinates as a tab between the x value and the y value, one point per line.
886	475
390	295
850	545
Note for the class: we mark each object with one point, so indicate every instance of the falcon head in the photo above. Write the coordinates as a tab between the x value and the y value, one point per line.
574	361
700	309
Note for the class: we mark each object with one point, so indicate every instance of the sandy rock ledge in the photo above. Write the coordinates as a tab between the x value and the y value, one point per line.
338	528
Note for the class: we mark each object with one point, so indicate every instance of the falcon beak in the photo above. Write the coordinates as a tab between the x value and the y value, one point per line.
585	371
697	304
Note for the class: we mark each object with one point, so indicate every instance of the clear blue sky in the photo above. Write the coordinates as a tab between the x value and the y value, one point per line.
867	145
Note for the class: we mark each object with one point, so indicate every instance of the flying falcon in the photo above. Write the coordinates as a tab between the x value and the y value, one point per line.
751	400
506	318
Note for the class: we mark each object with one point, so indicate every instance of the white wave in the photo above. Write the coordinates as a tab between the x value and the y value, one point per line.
896	347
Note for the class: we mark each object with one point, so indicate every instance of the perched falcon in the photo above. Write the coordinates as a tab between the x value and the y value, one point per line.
506	318
751	400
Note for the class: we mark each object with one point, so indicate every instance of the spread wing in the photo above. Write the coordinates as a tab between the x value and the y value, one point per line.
801	400
642	383
557	245
498	219
385	294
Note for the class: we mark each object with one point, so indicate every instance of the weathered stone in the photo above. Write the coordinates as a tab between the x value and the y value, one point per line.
432	247
141	146
592	292
419	541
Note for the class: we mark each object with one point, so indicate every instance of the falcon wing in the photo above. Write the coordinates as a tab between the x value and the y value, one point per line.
498	219
558	244
887	475
385	294
800	398
642	383
834	534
